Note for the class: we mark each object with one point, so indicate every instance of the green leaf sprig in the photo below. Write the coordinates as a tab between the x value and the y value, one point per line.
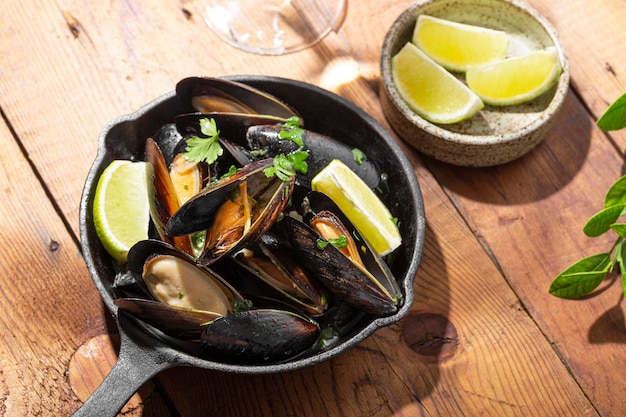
359	156
204	149
584	276
291	130
286	166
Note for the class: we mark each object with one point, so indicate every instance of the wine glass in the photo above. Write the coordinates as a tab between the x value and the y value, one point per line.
273	27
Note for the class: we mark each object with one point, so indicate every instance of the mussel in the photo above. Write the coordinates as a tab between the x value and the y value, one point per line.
354	273
217	95
184	297
235	210
271	264
257	336
322	149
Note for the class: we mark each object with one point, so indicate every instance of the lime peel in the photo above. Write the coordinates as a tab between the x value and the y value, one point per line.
516	80
121	207
459	46
360	204
430	90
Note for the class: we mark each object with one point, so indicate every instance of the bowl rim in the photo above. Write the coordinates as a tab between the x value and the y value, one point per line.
181	357
408	16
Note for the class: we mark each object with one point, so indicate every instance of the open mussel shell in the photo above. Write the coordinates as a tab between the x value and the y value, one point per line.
270	195
217	95
273	267
259	336
370	287
172	278
233	126
181	323
164	201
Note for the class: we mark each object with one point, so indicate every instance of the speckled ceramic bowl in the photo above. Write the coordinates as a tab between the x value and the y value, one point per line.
496	134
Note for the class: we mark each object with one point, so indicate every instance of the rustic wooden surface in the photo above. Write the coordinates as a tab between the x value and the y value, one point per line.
495	237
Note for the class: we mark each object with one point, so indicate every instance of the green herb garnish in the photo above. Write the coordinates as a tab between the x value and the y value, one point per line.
339	242
291	130
286	166
204	149
359	156
231	170
614	117
585	275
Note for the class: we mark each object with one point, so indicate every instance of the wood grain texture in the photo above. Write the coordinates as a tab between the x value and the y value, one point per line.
482	338
43	287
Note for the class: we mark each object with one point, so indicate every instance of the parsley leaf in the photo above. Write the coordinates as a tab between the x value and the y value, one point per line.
231	170
206	149
286	166
359	156
291	130
339	242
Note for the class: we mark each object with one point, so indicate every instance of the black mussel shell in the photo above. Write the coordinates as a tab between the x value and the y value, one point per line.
295	285
270	193
259	336
232	126
322	149
205	95
337	272
181	323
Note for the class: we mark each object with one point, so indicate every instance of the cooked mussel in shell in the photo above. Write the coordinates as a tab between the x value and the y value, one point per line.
272	265
217	95
350	269
183	295
259	335
235	211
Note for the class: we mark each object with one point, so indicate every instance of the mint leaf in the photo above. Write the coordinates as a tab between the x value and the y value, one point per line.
620	229
616	194
582	277
601	222
614	117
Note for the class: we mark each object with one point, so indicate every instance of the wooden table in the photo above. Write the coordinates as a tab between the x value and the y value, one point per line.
483	337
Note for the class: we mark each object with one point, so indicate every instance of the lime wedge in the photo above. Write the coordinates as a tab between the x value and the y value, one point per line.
458	46
121	211
430	90
360	204
516	80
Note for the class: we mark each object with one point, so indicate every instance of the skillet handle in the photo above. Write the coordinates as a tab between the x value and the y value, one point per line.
138	361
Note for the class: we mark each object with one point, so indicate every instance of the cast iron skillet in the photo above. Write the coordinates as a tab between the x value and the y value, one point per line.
144	351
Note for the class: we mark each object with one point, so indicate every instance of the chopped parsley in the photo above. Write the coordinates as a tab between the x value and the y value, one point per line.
359	156
286	166
204	149
291	130
231	170
321	243
338	242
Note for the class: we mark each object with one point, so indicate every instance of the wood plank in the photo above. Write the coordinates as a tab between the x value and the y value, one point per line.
44	316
